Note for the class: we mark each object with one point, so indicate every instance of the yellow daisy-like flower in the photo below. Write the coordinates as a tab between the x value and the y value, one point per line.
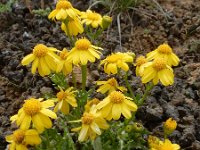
64	65
116	104
167	145
158	70
164	51
109	86
169	126
63	10
35	111
117	60
64	99
44	59
140	61
21	138
91	103
91	18
83	52
72	27
92	123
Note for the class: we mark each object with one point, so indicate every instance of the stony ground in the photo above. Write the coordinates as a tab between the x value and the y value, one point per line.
143	29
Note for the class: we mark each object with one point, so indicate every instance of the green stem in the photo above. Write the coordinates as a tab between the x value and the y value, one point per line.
129	86
74	79
67	134
146	93
84	76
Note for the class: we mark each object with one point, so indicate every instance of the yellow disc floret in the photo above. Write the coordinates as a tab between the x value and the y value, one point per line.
32	107
116	97
140	60
82	44
61	95
112	82
159	64
87	118
40	50
19	136
63	54
164	49
63	5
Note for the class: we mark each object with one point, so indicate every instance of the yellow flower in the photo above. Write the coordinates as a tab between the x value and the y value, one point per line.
21	138
35	111
140	61
116	104
169	126
91	18
44	59
64	9
167	145
117	60
64	98
92	123
164	51
109	86
72	27
64	65
91	103
83	52
158	70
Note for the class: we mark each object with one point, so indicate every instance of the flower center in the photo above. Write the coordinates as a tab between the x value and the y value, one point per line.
140	60
87	118
159	64
113	58
32	107
61	95
116	97
63	5
19	136
63	54
112	82
165	49
93	16
40	50
82	44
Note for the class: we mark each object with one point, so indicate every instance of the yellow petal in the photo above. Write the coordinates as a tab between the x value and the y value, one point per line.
125	111
25	124
49	113
148	74
9	138
46	121
38	123
95	128
131	105
34	65
65	108
47	103
103	103
83	133
28	59
32	137
116	111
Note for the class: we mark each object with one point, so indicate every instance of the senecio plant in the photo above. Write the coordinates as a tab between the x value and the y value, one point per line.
82	121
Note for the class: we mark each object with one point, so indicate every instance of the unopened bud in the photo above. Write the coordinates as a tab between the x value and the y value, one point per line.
106	21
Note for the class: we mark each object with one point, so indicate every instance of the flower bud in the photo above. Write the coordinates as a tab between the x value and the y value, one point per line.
169	126
106	21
